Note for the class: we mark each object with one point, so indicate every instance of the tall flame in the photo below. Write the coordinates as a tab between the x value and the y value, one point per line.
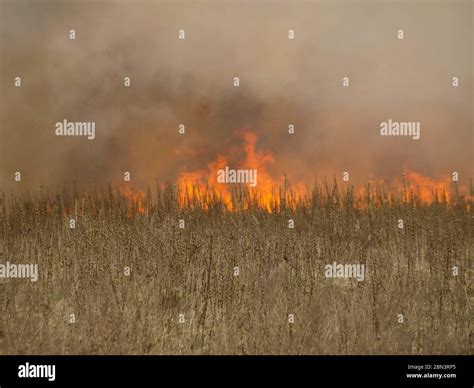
196	184
200	187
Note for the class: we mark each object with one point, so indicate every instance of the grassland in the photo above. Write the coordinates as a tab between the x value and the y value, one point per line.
191	271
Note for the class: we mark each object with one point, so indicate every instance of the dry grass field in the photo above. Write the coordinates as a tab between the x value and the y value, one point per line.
191	271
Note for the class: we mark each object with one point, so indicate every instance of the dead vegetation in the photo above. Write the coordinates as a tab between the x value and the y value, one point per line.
190	271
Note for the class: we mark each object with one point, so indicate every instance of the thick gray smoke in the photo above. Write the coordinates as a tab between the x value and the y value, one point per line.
282	81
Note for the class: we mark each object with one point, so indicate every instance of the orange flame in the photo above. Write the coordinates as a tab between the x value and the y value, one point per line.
198	184
201	188
135	200
428	189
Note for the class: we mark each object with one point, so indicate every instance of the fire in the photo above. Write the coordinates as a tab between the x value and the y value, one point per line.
414	185
135	200
260	161
203	184
198	185
201	188
428	189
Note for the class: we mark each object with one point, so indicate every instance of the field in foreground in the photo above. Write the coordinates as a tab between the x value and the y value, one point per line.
183	295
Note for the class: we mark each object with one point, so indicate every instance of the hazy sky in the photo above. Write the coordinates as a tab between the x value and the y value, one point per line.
190	81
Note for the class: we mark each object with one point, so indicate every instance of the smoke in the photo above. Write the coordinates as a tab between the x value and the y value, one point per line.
190	82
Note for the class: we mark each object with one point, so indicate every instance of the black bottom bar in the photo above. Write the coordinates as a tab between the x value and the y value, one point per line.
323	371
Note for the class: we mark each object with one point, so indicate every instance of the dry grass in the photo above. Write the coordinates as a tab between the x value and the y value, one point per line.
191	271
